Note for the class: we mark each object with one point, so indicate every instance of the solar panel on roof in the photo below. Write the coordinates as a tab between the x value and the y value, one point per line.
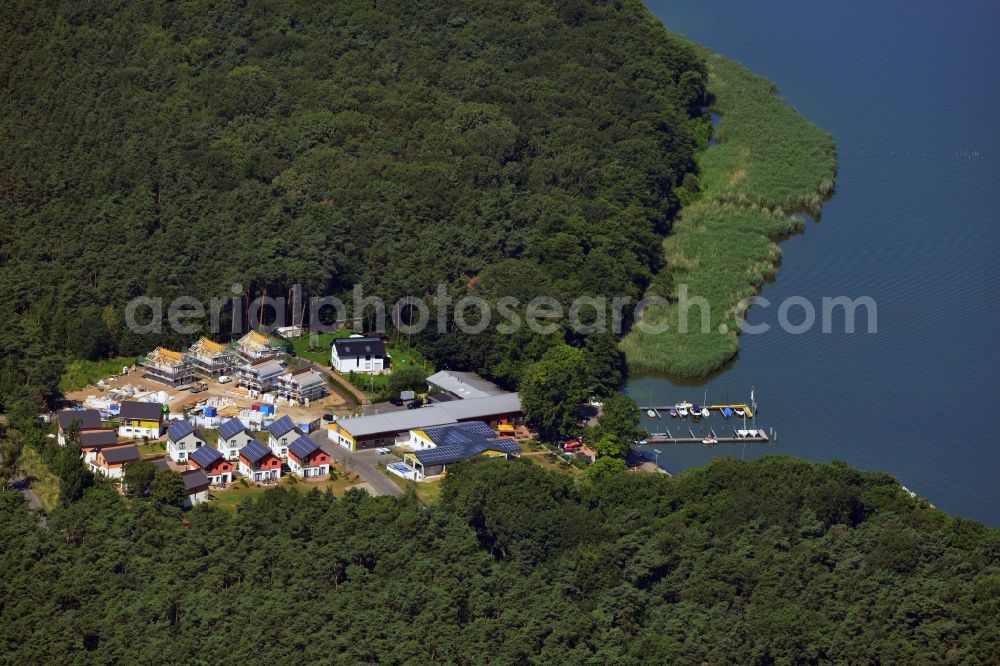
205	455
281	426
231	428
254	451
179	430
461	441
303	447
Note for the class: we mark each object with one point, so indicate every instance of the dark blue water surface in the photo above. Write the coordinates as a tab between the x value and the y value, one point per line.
909	92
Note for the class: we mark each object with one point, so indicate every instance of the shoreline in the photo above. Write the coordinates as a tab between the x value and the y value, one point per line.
763	165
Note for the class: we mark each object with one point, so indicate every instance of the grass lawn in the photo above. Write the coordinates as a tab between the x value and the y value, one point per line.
43	482
231	497
152	450
320	352
79	374
429	492
551	461
373	385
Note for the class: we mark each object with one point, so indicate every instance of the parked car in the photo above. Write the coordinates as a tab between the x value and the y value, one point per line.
328	418
396	401
383	450
225	379
415	403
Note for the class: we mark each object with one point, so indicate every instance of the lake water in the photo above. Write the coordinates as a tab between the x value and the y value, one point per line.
908	92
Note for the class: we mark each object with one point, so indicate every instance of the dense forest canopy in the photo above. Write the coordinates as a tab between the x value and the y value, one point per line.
774	561
183	147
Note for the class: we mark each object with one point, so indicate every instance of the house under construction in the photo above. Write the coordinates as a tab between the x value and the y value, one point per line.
260	376
302	385
168	367
210	358
254	346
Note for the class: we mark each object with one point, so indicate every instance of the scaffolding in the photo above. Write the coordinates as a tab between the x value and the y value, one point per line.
210	358
169	367
260	376
303	385
255	346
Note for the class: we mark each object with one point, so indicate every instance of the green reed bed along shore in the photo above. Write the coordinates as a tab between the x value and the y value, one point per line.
769	161
722	253
767	154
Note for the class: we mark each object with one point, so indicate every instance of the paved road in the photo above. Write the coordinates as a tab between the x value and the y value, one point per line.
341	384
21	484
365	464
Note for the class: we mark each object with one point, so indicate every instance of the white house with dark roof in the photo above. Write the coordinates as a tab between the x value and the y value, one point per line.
86	419
182	440
359	354
196	485
233	436
281	434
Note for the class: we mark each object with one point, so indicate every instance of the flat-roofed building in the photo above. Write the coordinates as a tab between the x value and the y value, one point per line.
463	385
393	428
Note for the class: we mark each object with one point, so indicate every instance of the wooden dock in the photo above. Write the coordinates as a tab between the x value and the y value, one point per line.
711	408
760	436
